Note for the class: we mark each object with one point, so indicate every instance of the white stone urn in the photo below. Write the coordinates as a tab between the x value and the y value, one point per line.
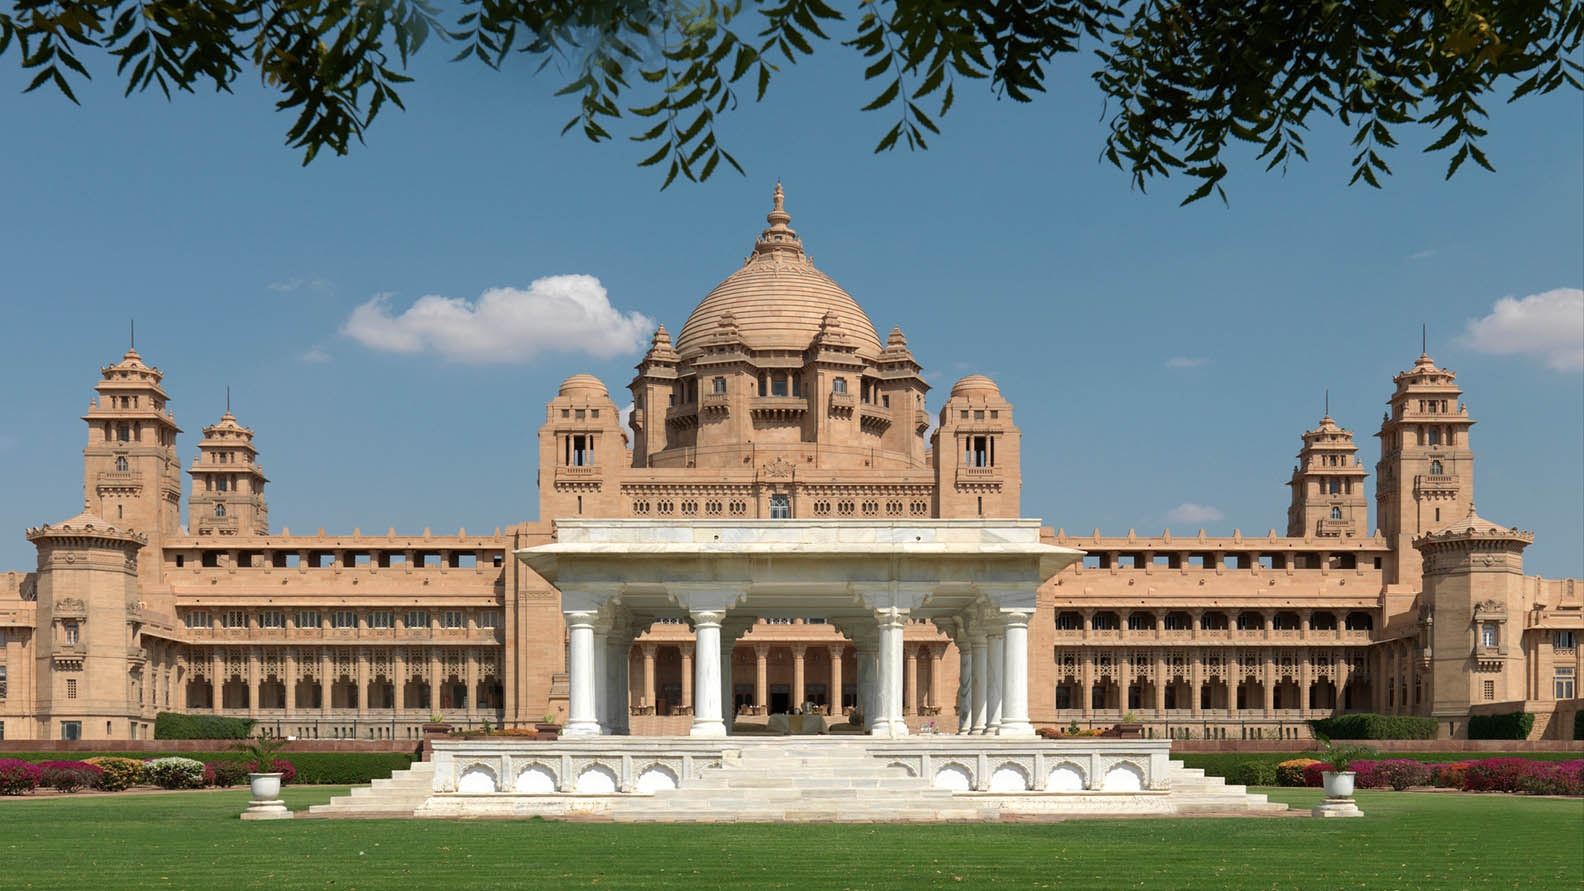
1338	783
266	803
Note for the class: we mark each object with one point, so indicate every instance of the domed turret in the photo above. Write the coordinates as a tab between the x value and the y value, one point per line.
976	385
586	385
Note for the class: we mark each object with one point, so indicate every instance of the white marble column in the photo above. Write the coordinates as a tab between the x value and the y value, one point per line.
981	671
601	647
707	674
995	661
868	705
1014	684
890	723
965	676
582	719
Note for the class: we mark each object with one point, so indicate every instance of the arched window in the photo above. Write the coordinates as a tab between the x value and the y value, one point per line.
220	510
780	507
121	464
1435	468
1336	513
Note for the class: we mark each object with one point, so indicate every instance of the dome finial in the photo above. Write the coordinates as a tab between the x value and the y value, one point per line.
778	237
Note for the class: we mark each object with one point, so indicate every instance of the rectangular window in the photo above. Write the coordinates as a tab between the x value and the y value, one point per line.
307	618
71	730
382	618
1488	691
1565	678
343	618
417	618
71	688
233	618
2	685
489	618
452	618
839	385
70	630
1564	640
272	618
198	620
1488	636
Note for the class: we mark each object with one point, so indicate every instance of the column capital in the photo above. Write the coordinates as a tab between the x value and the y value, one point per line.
1016	616
580	617
891	617
1019	595
761	650
799	650
707	618
837	650
894	595
649	648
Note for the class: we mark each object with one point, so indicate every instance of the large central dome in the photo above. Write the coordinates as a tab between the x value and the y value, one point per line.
778	299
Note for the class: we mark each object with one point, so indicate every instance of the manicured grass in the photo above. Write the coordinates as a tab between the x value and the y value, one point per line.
194	840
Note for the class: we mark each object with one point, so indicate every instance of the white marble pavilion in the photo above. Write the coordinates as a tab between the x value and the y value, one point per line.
974	579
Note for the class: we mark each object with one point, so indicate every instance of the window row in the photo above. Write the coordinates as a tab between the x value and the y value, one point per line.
330	559
341	618
1214	620
1242	560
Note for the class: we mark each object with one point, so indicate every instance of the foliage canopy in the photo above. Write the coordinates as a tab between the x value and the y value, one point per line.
1182	81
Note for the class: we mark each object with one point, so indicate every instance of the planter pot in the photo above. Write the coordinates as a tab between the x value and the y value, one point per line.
1338	784
436	728
265	786
547	731
1129	731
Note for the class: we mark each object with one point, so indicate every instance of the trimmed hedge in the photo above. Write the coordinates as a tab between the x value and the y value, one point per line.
1254	773
1371	726
1578	724
1513	725
170	725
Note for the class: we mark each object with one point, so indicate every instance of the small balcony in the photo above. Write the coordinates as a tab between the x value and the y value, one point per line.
684	415
778	407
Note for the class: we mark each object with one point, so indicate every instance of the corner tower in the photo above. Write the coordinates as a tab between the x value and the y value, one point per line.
1474	615
1328	486
1425	478
228	484
977	453
131	475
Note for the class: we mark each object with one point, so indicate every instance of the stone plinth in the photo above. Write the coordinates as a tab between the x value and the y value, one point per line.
1337	807
267	810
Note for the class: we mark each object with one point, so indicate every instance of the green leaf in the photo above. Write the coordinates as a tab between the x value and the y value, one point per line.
886	97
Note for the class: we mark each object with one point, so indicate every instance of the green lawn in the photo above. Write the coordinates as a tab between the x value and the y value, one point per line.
194	840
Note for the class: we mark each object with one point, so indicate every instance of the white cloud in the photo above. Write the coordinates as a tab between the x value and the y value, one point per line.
566	313
1186	362
315	356
296	284
1422	255
626	415
1188	512
1549	325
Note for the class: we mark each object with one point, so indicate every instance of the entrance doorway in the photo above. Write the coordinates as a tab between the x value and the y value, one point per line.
780	699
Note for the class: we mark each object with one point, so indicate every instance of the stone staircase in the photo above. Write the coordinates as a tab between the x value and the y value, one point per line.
1195	793
819	781
397	796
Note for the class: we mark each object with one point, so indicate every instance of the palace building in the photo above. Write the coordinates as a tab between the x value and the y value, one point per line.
774	430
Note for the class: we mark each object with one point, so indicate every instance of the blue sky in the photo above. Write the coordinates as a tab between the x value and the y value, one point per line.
1157	356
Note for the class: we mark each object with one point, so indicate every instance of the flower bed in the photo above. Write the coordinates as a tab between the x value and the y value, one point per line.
1519	775
117	774
1292	773
174	773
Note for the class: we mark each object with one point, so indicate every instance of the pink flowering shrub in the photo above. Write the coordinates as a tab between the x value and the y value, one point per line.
1523	775
18	777
1312	774
69	776
225	774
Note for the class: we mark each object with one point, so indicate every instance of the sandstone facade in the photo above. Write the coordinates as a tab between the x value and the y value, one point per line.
777	399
